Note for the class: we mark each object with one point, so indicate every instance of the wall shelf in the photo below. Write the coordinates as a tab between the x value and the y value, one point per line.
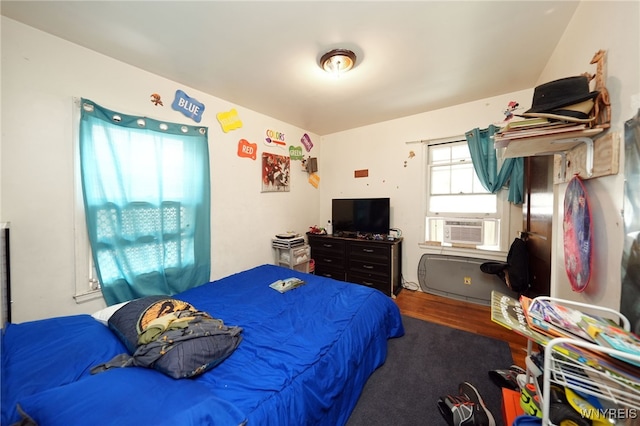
605	159
576	152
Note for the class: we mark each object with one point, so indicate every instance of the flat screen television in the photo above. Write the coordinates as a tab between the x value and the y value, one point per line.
360	215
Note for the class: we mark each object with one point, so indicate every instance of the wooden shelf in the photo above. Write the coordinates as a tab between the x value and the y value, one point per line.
605	160
576	152
544	145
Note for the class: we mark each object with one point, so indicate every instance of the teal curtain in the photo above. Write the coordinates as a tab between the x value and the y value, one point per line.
485	163
146	192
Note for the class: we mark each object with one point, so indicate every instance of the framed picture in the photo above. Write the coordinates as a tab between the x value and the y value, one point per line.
276	173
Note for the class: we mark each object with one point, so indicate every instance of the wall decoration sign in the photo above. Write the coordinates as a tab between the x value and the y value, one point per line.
314	180
577	235
229	120
247	149
306	141
295	153
275	139
187	105
276	170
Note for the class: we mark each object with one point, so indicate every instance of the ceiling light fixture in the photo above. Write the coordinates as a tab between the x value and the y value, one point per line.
338	61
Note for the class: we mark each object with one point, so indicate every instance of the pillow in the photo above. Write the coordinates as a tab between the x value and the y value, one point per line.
171	336
128	321
103	315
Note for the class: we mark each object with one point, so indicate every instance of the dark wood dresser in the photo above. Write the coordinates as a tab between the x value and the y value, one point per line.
374	263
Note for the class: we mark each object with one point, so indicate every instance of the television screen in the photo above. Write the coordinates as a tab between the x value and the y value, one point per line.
360	215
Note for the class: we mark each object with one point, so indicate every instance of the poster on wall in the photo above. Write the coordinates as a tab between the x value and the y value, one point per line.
276	170
630	292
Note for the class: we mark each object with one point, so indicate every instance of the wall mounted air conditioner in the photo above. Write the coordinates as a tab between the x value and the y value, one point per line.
465	231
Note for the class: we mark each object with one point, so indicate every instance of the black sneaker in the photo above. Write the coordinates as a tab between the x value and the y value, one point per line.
481	414
456	410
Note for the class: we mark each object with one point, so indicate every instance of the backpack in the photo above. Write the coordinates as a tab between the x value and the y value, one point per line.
515	271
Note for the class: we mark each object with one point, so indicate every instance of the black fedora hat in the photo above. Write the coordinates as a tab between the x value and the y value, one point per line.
576	113
560	93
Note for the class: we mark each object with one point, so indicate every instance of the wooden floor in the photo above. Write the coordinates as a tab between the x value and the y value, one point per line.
461	315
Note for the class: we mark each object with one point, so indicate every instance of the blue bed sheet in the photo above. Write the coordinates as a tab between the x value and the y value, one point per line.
304	359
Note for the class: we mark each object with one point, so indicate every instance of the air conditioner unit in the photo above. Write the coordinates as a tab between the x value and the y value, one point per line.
466	231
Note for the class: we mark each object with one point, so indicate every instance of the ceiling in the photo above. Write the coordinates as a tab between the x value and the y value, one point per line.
413	57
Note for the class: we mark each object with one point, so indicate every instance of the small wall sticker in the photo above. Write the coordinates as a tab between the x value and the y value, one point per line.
306	141
229	120
155	99
275	139
314	180
295	153
247	149
187	105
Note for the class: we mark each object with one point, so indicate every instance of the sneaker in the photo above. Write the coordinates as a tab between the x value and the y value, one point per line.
456	410
481	414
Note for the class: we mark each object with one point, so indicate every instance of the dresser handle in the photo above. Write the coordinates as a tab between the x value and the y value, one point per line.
328	260
368	266
367	250
327	245
367	283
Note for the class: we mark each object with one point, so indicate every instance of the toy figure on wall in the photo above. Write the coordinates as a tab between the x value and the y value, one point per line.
508	112
156	100
276	171
247	149
188	106
602	107
275	139
577	235
229	120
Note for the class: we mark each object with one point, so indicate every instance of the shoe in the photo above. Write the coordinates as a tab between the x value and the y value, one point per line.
506	378
456	410
481	414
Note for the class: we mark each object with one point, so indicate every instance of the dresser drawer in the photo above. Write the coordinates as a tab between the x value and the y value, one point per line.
369	251
327	245
370	280
331	272
369	266
322	258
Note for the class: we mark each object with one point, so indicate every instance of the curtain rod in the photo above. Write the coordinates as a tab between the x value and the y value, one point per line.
439	140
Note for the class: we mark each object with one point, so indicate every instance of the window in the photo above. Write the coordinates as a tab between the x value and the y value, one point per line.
145	186
459	209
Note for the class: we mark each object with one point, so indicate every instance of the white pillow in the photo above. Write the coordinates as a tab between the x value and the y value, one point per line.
103	315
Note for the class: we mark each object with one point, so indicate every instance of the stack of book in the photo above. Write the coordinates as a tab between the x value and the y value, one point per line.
543	320
557	320
536	127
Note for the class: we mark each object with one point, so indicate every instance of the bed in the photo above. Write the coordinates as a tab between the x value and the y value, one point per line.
303	360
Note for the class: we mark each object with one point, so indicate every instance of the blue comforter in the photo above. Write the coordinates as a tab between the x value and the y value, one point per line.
304	359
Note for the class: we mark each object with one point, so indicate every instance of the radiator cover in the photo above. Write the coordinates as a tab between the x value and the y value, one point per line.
459	278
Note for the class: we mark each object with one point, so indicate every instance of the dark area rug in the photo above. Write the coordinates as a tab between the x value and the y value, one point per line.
430	361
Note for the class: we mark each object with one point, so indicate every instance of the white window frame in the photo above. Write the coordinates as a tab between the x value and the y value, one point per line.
502	215
87	286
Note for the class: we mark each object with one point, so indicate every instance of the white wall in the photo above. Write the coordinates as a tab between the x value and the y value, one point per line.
614	27
40	75
381	148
